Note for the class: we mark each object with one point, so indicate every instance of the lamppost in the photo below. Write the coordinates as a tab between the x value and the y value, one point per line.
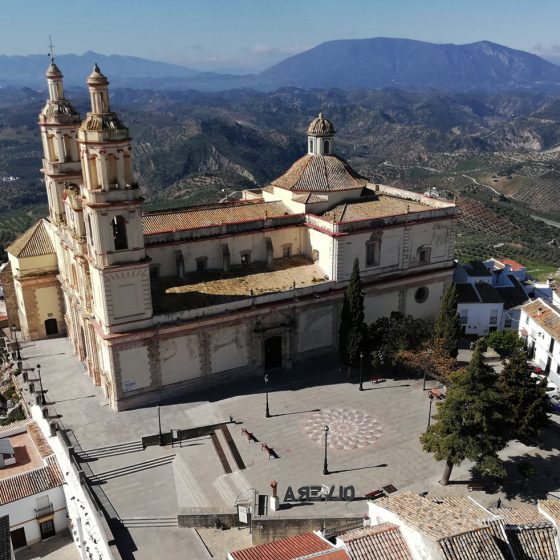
42	398
14	330
160	440
361	370
424	382
267	411
325	464
431	397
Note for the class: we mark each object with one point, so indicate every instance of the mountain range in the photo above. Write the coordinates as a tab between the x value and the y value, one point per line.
357	63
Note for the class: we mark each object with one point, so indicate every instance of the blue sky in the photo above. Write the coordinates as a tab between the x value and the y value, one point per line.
248	35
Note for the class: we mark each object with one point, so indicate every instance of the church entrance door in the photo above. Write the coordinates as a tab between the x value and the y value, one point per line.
273	353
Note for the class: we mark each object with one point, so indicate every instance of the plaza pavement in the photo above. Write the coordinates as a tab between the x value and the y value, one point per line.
386	419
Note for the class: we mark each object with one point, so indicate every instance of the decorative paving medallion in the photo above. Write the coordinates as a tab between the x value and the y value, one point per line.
348	428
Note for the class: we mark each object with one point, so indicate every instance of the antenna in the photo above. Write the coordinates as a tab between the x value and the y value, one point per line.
51	50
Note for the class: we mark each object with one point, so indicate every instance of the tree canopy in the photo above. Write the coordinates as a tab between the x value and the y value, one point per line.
447	327
351	334
472	422
525	397
505	343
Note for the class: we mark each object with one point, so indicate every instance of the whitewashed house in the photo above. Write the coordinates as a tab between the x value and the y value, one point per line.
31	487
540	327
490	295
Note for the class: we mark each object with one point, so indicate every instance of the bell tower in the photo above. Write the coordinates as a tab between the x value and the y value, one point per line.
320	137
59	124
112	204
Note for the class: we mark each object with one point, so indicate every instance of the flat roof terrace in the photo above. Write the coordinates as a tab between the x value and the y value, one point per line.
204	289
26	454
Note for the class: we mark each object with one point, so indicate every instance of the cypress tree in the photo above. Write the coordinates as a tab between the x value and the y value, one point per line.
447	327
471	423
351	334
526	399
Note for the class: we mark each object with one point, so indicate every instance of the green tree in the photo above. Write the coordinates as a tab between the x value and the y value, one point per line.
351	334
505	343
526	399
447	327
471	423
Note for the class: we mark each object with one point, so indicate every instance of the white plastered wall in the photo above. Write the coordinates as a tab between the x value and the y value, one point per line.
228	348
315	328
179	359
135	368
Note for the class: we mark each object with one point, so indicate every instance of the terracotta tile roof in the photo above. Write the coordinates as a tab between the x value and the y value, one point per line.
32	482
33	243
548	318
383	206
285	549
379	542
313	173
39	440
515	266
523	516
472	545
536	543
211	215
435	519
552	508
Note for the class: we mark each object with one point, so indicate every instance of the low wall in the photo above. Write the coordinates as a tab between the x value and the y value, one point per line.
206	517
274	528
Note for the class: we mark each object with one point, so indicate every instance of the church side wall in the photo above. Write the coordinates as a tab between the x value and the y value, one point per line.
166	255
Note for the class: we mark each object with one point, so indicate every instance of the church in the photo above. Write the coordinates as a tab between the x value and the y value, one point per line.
166	302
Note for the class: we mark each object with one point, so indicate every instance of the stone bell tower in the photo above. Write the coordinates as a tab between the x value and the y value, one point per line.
59	124
112	204
320	137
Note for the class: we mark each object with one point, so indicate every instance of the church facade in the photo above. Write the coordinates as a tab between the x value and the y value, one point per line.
165	302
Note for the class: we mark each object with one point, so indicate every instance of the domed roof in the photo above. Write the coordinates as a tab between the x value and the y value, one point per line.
320	127
96	78
53	71
314	173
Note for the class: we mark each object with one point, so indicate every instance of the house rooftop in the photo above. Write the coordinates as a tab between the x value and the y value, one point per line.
545	315
378	542
476	268
514	265
36	469
290	548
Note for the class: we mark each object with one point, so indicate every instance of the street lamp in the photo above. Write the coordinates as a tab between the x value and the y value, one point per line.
325	464
431	397
42	398
160	437
267	411
14	330
361	370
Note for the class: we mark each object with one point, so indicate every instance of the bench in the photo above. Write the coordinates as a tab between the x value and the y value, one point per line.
375	494
250	436
475	486
268	450
376	379
436	393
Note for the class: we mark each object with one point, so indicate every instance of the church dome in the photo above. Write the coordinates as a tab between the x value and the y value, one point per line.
96	78
313	173
53	71
320	127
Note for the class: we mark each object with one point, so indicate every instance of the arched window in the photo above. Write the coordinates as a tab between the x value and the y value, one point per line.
119	233
327	147
311	145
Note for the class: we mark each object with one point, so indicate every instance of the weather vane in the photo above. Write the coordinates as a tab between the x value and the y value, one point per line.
51	50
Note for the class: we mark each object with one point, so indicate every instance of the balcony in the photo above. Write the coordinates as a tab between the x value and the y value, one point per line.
44	511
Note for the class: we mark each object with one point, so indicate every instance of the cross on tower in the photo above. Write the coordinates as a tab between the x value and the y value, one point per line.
51	50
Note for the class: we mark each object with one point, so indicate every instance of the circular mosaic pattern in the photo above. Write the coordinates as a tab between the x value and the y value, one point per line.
348	428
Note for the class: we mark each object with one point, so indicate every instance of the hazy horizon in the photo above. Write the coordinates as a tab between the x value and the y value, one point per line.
243	36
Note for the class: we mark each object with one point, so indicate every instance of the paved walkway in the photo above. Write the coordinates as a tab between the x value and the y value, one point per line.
59	547
372	442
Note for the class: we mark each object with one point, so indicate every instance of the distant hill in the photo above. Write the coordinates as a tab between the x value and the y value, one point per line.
403	63
30	70
358	63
